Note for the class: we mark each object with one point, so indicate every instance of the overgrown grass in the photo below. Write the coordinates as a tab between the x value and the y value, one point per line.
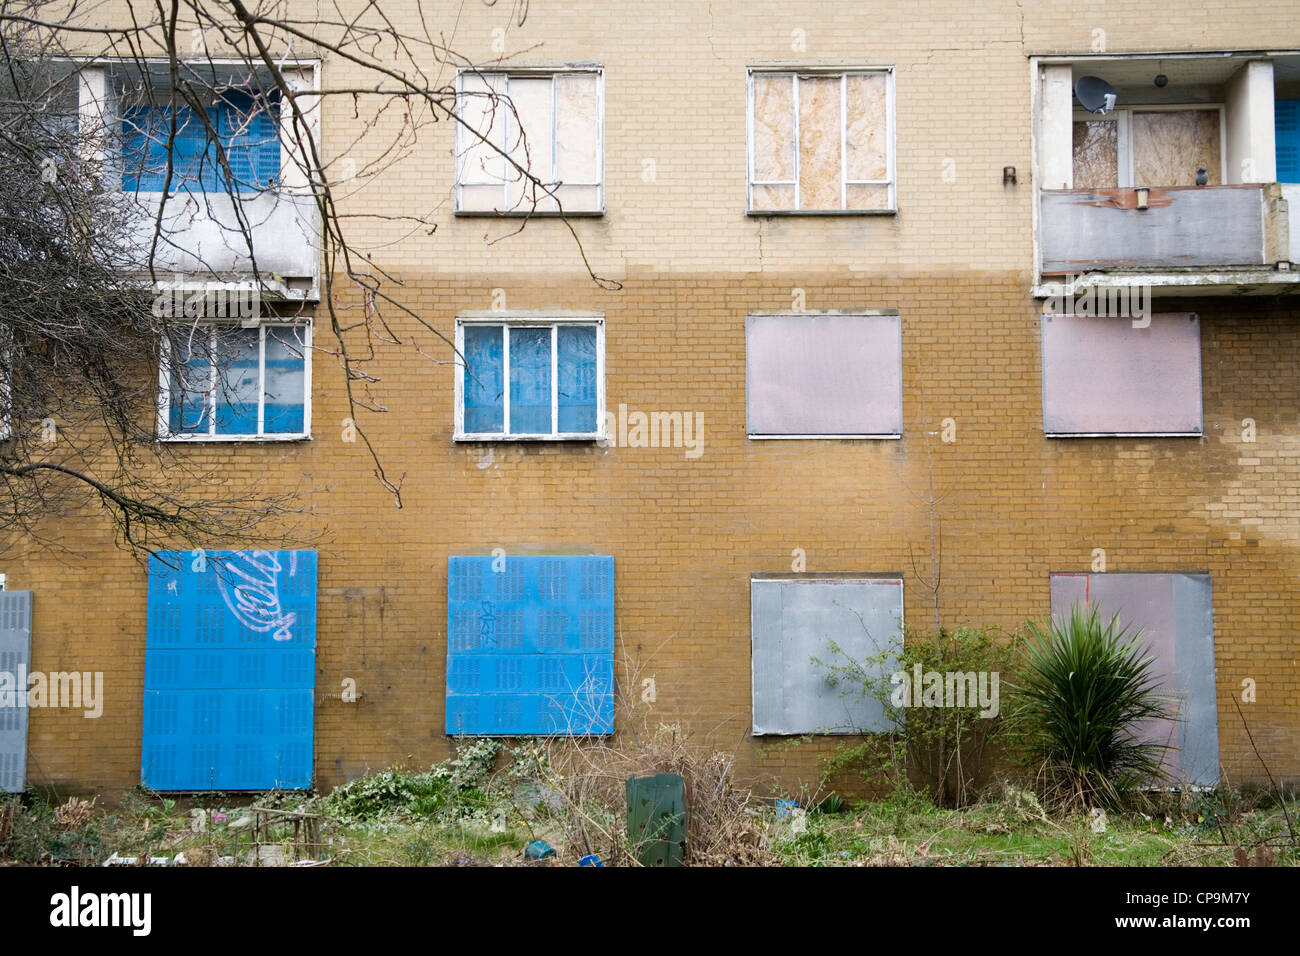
1013	830
484	806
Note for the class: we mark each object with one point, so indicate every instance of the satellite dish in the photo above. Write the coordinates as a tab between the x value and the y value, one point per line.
1095	94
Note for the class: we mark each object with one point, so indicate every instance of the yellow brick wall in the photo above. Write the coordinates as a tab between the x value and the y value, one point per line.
686	534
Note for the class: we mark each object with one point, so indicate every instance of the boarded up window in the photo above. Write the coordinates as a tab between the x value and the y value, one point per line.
1103	376
548	125
246	126
530	645
1170	145
820	142
825	375
230	671
1176	616
15	661
796	620
1096	154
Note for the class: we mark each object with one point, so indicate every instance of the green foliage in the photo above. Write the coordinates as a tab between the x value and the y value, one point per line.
455	785
945	750
1087	685
831	803
43	831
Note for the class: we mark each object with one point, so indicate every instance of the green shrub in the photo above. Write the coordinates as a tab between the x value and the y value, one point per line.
1087	685
455	785
947	751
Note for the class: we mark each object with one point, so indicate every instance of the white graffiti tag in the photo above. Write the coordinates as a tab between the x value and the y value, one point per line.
250	585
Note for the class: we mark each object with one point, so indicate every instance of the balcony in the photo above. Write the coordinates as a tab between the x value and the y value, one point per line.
265	228
1175	187
1195	238
203	240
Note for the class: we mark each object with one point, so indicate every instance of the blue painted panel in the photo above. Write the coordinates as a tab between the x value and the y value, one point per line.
246	129
142	150
146	132
530	381
249	133
530	647
230	670
285	387
224	740
576	361
484	371
1286	125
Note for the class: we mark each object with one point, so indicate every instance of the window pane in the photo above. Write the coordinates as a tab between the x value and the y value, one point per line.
482	198
577	139
483	111
867	135
577	373
236	398
484	393
530	381
190	382
528	123
285	382
772	197
866	196
1169	146
146	134
819	143
249	133
1096	154
774	129
578	198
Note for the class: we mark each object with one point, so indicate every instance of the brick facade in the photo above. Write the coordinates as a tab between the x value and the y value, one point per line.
956	262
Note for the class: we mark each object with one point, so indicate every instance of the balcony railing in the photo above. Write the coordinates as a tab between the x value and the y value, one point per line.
1181	228
206	236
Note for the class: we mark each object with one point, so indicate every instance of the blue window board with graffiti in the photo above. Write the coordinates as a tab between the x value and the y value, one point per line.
530	645
230	671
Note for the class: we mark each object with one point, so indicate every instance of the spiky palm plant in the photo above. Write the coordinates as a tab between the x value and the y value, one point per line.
1085	687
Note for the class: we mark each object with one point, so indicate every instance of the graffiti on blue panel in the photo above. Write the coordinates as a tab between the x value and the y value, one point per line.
250	586
230	670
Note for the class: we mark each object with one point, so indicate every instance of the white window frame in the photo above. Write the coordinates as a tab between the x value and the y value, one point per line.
891	144
524	321
1123	118
164	386
464	139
